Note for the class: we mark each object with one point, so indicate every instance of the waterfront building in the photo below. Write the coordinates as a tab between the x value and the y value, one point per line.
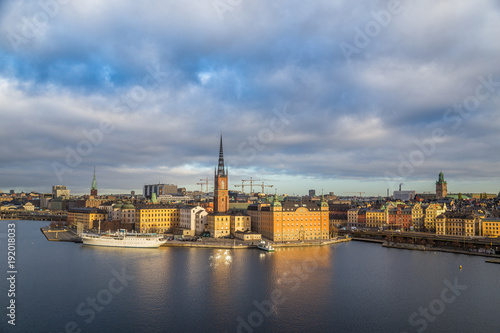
376	218
88	218
240	222
417	217
193	218
490	227
441	187
93	187
156	218
352	217
432	211
256	218
123	212
457	224
362	218
295	221
406	216
219	225
338	214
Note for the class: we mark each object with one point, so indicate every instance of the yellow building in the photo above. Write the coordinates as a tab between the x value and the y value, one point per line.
490	227
417	217
293	221
219	225
457	224
376	218
227	224
240	222
156	218
88	217
432	211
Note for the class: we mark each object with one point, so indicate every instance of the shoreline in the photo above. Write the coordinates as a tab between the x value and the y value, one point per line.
218	245
412	247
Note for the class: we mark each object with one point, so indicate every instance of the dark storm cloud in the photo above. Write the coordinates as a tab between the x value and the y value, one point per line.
274	77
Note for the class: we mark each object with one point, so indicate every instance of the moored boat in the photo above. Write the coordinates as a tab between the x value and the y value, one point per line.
123	239
265	246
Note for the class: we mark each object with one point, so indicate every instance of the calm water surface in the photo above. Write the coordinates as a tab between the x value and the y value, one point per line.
350	287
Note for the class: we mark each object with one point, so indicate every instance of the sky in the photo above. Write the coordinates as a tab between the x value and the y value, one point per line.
336	96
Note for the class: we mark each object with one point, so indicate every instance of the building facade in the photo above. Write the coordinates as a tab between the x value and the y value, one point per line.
490	227
193	218
432	211
88	217
295	221
156	218
457	224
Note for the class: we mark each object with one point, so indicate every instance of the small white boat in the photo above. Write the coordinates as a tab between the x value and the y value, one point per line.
123	239
265	246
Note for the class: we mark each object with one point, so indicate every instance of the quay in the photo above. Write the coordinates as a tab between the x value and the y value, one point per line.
476	246
238	244
494	261
61	235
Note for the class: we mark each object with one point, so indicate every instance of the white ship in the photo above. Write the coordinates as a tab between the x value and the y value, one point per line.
265	246
123	239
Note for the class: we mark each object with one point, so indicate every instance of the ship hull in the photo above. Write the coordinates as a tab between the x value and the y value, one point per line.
128	241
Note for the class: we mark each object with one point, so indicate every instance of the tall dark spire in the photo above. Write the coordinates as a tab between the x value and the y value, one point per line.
93	188
221	171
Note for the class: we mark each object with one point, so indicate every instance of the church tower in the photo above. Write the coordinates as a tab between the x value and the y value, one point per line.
221	195
441	187
93	188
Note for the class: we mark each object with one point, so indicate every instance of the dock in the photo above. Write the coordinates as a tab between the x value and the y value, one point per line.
493	261
60	235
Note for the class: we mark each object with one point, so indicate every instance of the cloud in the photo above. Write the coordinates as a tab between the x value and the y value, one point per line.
169	76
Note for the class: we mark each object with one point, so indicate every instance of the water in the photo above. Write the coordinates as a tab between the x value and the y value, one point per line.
350	287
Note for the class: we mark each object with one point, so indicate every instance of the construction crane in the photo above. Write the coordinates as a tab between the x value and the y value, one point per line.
251	180
264	186
205	182
242	186
356	193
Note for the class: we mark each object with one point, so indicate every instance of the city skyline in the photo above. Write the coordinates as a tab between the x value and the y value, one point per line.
339	97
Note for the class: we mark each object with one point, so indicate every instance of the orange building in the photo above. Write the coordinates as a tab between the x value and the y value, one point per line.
293	221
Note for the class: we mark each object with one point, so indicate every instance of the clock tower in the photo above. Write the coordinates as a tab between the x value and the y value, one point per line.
221	195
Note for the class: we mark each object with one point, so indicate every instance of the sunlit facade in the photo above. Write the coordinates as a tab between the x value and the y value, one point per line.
295	221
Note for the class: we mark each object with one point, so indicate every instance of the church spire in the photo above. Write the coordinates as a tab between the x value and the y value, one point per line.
221	171
93	188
